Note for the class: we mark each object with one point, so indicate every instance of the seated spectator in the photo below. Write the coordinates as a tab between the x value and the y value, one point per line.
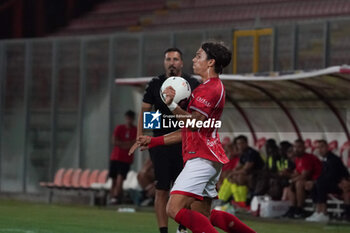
244	175
333	172
278	167
307	168
286	164
344	185
272	156
224	185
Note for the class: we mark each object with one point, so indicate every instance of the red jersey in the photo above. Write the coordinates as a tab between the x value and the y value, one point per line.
308	162
232	164
208	99
124	134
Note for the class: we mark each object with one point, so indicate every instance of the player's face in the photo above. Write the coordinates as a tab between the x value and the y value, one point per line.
241	145
173	64
322	148
299	149
290	153
129	120
200	63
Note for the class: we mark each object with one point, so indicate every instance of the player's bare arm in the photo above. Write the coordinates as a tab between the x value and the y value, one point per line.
145	142
145	107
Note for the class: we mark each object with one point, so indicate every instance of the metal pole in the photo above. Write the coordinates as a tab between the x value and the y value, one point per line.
53	120
27	94
82	95
275	50
326	44
2	96
295	59
111	86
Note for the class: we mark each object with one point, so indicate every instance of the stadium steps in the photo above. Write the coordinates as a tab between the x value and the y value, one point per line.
112	16
211	13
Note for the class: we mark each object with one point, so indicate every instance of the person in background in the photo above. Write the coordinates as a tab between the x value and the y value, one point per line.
344	185
244	175
124	136
333	172
224	186
307	168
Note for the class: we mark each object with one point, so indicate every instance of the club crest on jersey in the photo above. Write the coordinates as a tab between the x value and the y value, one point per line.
151	120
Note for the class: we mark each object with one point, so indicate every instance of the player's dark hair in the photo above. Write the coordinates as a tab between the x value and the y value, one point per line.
242	137
173	50
130	114
219	52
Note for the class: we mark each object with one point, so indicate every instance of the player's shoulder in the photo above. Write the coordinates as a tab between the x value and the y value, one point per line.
214	86
157	79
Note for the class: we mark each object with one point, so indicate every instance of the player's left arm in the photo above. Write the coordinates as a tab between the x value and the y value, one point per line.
146	142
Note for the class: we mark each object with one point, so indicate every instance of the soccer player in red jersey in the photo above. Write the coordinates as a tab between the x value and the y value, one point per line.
190	200
124	137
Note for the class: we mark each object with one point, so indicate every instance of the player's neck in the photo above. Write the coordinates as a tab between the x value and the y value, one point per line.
129	125
209	75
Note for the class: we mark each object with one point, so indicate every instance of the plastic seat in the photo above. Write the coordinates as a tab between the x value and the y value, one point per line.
260	143
76	178
84	179
333	145
93	177
67	178
102	177
57	180
345	154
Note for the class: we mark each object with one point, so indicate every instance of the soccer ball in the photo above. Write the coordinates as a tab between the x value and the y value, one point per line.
181	86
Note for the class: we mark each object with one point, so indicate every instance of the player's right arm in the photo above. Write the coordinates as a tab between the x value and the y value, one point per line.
145	107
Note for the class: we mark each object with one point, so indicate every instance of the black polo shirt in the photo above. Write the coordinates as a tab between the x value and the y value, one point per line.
152	96
333	168
251	155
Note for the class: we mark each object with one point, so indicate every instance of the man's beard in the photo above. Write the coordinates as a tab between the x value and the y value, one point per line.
172	73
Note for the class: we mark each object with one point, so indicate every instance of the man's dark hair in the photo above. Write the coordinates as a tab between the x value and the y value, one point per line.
242	137
130	114
173	50
219	52
323	141
299	141
285	145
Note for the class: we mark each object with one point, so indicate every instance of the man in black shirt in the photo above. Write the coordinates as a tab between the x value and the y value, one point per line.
333	171
243	176
167	160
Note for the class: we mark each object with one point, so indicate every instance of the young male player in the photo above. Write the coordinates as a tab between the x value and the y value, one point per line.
194	189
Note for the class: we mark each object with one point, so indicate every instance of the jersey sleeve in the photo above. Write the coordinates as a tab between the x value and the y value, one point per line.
204	102
148	96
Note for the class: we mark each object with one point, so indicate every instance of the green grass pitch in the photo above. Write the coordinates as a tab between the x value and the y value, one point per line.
25	217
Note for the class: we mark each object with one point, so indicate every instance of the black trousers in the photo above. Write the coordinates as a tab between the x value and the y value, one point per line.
322	187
